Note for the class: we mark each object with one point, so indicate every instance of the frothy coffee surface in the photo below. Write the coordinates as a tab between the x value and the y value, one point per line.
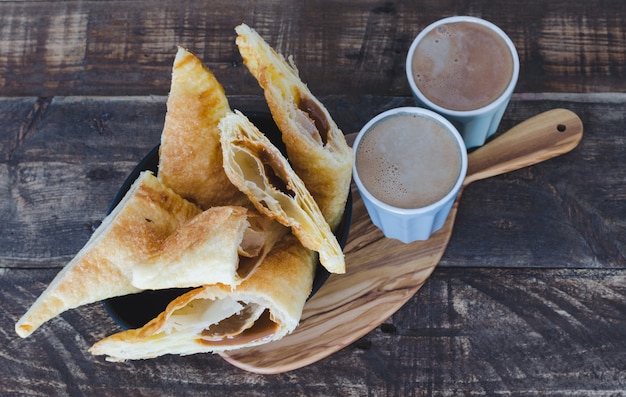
462	66
408	161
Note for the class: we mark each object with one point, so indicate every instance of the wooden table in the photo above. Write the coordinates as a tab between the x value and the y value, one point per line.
528	299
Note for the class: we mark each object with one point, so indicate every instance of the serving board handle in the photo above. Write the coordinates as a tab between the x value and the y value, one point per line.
539	138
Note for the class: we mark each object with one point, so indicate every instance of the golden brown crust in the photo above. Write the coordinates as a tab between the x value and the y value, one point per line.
206	250
158	230
190	154
279	288
316	147
258	169
134	230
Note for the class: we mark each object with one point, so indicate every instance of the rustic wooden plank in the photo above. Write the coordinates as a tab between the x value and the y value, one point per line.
84	48
88	145
519	328
467	331
529	296
567	210
52	169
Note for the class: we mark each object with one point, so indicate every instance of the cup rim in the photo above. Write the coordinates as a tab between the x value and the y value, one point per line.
425	113
463	113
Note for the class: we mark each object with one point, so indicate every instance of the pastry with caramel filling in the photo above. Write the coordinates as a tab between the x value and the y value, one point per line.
258	169
263	308
154	239
316	147
221	245
190	157
131	233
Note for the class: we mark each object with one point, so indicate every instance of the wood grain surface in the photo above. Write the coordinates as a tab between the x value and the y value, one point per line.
472	331
529	297
125	48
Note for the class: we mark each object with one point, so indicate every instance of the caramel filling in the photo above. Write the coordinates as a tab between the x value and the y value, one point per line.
313	120
238	329
264	175
276	176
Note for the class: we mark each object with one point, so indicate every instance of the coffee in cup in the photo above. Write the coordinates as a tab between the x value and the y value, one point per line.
409	166
408	161
464	68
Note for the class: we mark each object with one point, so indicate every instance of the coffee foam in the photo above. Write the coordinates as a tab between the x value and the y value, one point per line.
462	66
408	161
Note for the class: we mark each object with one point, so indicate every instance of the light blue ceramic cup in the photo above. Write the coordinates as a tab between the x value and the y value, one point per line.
477	125
408	225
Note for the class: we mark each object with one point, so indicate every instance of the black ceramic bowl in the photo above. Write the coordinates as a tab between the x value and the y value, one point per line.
134	311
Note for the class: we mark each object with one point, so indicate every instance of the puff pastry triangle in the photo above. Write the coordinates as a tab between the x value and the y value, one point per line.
316	147
223	245
263	308
190	157
258	169
102	269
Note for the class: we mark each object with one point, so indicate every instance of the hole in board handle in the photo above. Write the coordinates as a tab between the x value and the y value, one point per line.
561	127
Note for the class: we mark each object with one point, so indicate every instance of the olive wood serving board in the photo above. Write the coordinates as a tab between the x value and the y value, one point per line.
382	274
